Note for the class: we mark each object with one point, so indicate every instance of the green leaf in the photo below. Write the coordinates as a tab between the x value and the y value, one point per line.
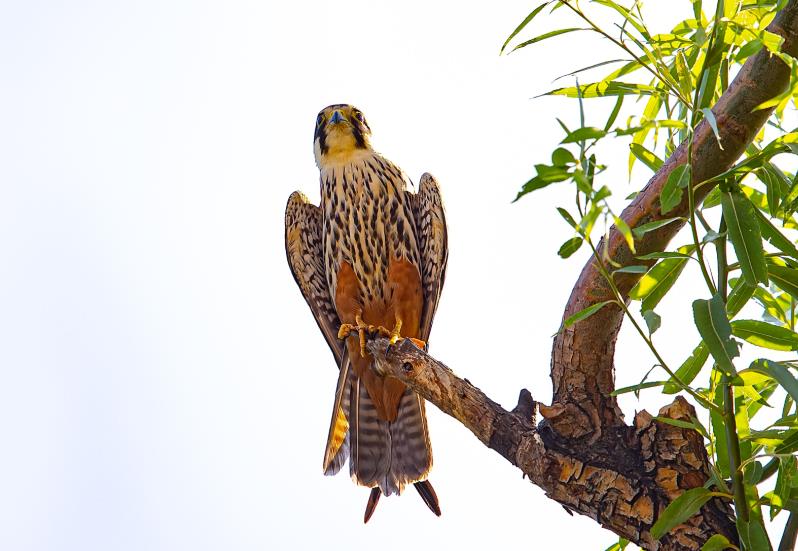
679	510
653	321
561	157
567	217
643	229
635	269
586	313
717	542
623	228
544	36
671	194
689	369
713	123
785	278
745	236
779	372
713	325
635	388
647	157
772	234
683	73
604	88
570	247
657	282
766	335
584	133
523	24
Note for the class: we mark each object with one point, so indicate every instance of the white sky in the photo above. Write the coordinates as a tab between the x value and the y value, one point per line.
162	383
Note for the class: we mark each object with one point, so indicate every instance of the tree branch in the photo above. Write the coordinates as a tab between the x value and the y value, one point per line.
624	489
583	454
582	357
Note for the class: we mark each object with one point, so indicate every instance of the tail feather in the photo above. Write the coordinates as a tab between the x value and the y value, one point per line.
337	448
427	493
369	442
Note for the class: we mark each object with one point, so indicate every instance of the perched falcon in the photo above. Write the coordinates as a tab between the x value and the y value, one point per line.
370	260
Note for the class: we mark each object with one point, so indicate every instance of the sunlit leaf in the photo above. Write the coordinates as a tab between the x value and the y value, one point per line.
585	133
545	36
779	372
657	282
523	24
766	335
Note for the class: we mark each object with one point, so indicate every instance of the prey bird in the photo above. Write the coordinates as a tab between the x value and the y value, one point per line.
370	260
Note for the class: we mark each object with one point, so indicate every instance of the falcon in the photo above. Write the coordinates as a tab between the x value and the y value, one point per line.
370	260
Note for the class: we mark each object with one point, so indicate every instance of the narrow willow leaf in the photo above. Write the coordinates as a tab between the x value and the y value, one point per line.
584	133
544	36
586	313
745	236
753	534
635	269
779	372
570	247
653	321
785	278
637	387
643	229
772	234
666	254
614	113
679	510
671	194
657	282
713	325
567	217
713	123
523	24
647	157
683	74
604	88
689	369
766	335
623	228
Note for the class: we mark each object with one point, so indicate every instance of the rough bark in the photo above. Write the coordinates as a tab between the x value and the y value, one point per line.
583	454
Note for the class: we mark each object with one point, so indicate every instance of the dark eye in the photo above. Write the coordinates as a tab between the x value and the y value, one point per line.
359	116
319	119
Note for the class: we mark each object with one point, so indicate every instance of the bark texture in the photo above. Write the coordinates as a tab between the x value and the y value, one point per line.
583	454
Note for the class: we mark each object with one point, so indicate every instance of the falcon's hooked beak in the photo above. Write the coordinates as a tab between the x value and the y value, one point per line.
336	117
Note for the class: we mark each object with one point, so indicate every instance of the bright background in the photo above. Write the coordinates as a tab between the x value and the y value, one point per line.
162	383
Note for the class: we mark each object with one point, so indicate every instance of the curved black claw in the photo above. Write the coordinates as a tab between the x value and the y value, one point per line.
374	498
427	493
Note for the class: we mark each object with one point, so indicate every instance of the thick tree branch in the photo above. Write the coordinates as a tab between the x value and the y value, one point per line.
625	492
582	357
583	454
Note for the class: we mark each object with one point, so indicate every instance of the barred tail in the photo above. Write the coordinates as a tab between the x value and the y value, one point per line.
386	454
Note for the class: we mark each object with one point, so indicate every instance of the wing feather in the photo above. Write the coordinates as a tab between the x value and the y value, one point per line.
432	244
303	247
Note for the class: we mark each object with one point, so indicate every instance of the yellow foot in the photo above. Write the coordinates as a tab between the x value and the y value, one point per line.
360	328
395	336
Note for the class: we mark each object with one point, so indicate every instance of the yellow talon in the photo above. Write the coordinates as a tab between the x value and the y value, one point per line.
360	326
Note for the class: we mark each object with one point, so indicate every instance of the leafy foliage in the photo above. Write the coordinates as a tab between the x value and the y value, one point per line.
666	84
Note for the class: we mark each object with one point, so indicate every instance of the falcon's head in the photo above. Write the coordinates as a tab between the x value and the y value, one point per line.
342	133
